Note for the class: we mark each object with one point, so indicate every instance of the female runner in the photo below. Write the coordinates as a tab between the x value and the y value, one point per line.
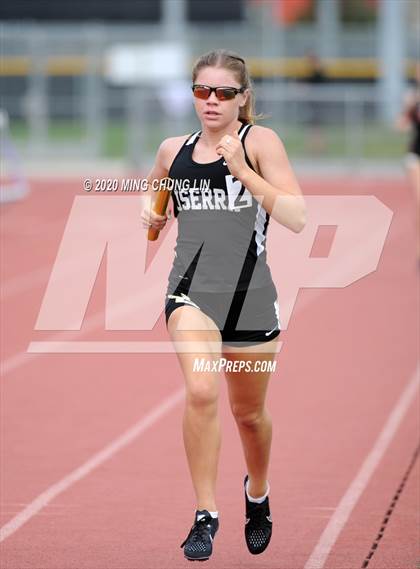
231	177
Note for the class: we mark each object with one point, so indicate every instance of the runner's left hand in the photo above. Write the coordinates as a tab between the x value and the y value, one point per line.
230	147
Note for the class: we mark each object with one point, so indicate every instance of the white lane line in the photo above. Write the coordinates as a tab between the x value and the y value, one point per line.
94	462
349	500
21	283
94	322
13	362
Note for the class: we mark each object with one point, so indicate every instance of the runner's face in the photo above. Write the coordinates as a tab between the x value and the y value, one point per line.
215	114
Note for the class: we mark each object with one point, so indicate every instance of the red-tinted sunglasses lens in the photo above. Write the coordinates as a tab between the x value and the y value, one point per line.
201	92
225	94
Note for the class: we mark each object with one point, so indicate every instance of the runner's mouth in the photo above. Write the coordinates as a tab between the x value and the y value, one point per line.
211	114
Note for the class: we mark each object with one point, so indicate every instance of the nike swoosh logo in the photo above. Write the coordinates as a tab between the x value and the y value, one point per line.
271	331
268	518
184	299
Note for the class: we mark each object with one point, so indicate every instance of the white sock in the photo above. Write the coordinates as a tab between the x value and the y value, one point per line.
257	500
213	515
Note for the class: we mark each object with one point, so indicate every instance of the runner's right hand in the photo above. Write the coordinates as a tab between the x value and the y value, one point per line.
152	219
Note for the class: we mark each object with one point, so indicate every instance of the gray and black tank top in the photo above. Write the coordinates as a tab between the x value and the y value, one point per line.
222	229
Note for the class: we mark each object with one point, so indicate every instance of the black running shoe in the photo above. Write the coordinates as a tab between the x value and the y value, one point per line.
258	524
199	542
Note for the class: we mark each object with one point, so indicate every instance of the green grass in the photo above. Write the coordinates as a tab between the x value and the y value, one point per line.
371	141
115	140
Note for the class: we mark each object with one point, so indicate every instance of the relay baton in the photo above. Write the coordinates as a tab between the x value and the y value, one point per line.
160	205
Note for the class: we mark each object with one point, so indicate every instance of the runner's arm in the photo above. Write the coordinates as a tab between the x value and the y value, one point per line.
276	188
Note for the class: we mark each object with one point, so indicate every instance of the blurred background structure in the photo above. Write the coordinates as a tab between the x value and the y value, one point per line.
329	74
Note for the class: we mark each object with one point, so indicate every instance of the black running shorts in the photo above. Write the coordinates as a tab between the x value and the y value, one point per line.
249	317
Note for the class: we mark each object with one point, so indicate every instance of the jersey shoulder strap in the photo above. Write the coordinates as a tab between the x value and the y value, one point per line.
243	131
190	140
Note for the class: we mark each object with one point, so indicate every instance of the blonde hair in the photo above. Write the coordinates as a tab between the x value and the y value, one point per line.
233	62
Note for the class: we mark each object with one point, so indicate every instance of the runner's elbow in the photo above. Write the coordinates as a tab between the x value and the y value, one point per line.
301	222
300	219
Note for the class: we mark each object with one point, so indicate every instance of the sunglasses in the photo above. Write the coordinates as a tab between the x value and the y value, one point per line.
222	93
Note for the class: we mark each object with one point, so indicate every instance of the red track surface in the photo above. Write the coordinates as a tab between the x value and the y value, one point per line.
348	356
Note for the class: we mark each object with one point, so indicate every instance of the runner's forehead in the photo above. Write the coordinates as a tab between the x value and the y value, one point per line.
216	77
